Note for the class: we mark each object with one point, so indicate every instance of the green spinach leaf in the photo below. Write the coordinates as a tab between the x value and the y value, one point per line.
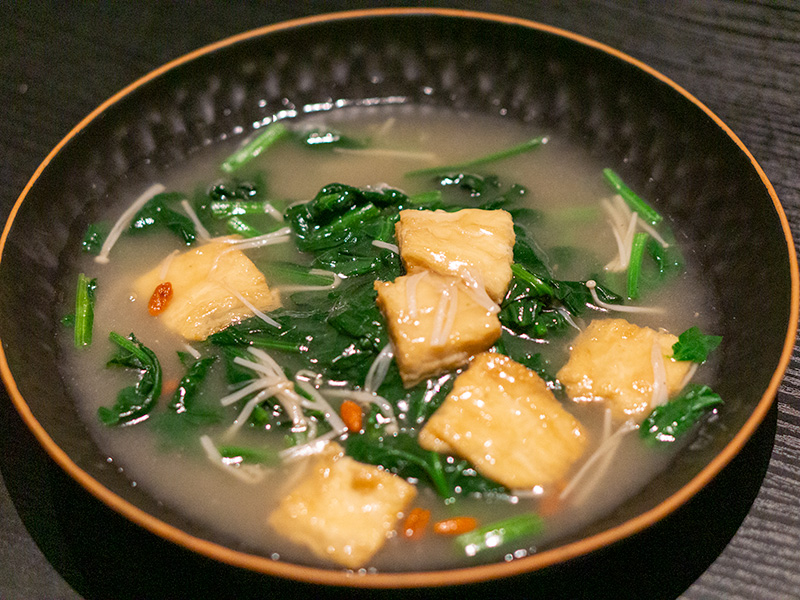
668	422
693	345
133	402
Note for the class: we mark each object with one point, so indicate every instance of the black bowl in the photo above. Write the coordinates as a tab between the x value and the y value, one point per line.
672	147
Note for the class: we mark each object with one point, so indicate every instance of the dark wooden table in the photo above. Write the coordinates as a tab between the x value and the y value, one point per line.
58	61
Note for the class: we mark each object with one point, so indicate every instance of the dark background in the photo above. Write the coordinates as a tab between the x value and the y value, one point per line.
59	60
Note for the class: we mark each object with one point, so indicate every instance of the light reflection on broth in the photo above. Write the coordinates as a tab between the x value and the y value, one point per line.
563	183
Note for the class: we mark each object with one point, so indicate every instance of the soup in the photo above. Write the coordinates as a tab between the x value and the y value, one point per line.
345	353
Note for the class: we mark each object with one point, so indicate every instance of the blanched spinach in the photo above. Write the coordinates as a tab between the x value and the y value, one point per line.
669	261
133	402
528	255
94	237
533	304
668	422
340	334
157	214
401	454
499	533
343	218
488	192
183	400
235	206
693	345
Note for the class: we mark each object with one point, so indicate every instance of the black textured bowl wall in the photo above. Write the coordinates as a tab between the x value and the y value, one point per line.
661	142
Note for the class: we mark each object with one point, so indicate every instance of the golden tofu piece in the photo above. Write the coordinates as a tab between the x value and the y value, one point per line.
436	323
205	282
612	361
502	417
476	245
343	510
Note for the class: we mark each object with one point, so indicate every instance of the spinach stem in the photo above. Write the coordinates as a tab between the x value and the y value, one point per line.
647	212
635	264
352	218
237	225
538	284
499	532
229	208
273	133
429	197
84	310
436	473
489	158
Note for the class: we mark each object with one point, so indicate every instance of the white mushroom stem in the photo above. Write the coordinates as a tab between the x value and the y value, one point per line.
378	369
278	236
597	465
124	221
202	232
336	280
386	246
660	392
592	285
251	474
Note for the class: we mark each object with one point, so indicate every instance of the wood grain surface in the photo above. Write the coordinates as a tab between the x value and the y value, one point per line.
58	61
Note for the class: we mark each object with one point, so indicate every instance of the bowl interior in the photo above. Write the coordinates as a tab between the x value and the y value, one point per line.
673	150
